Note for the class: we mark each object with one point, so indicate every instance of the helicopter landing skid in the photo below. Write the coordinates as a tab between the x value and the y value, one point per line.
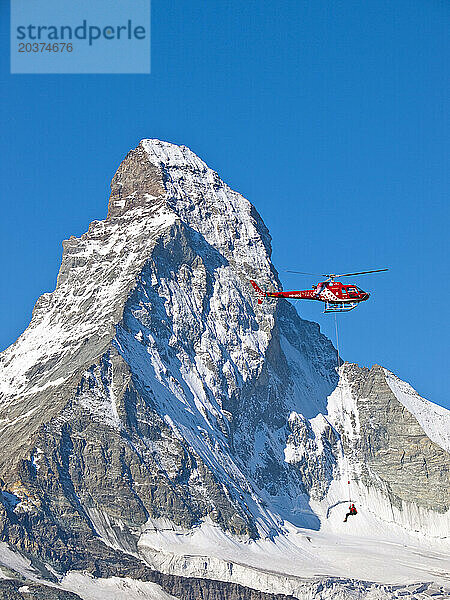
331	307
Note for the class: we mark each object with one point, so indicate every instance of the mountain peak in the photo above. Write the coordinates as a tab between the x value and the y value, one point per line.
158	172
145	175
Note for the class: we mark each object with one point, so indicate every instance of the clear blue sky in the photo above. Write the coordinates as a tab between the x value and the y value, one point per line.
330	116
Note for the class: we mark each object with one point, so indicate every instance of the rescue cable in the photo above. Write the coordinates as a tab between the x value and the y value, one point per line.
342	403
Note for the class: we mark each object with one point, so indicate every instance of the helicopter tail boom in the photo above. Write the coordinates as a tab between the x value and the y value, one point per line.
259	291
305	294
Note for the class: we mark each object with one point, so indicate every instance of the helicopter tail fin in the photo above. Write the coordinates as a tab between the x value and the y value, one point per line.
258	290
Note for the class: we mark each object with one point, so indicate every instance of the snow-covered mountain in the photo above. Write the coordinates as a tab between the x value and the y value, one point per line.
164	434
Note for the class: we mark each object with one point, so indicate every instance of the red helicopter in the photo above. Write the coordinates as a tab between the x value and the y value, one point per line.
336	296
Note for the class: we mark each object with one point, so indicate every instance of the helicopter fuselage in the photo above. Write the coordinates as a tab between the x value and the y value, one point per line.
330	292
326	291
337	296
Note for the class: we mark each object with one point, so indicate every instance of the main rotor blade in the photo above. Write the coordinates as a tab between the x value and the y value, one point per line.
333	275
361	273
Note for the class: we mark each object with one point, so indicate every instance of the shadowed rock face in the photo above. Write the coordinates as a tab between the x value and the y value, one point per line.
14	589
135	181
150	388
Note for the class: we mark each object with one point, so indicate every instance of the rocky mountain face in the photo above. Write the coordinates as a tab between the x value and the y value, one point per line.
393	448
157	424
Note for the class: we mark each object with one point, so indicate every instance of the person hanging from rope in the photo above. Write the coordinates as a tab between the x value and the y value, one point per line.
351	511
